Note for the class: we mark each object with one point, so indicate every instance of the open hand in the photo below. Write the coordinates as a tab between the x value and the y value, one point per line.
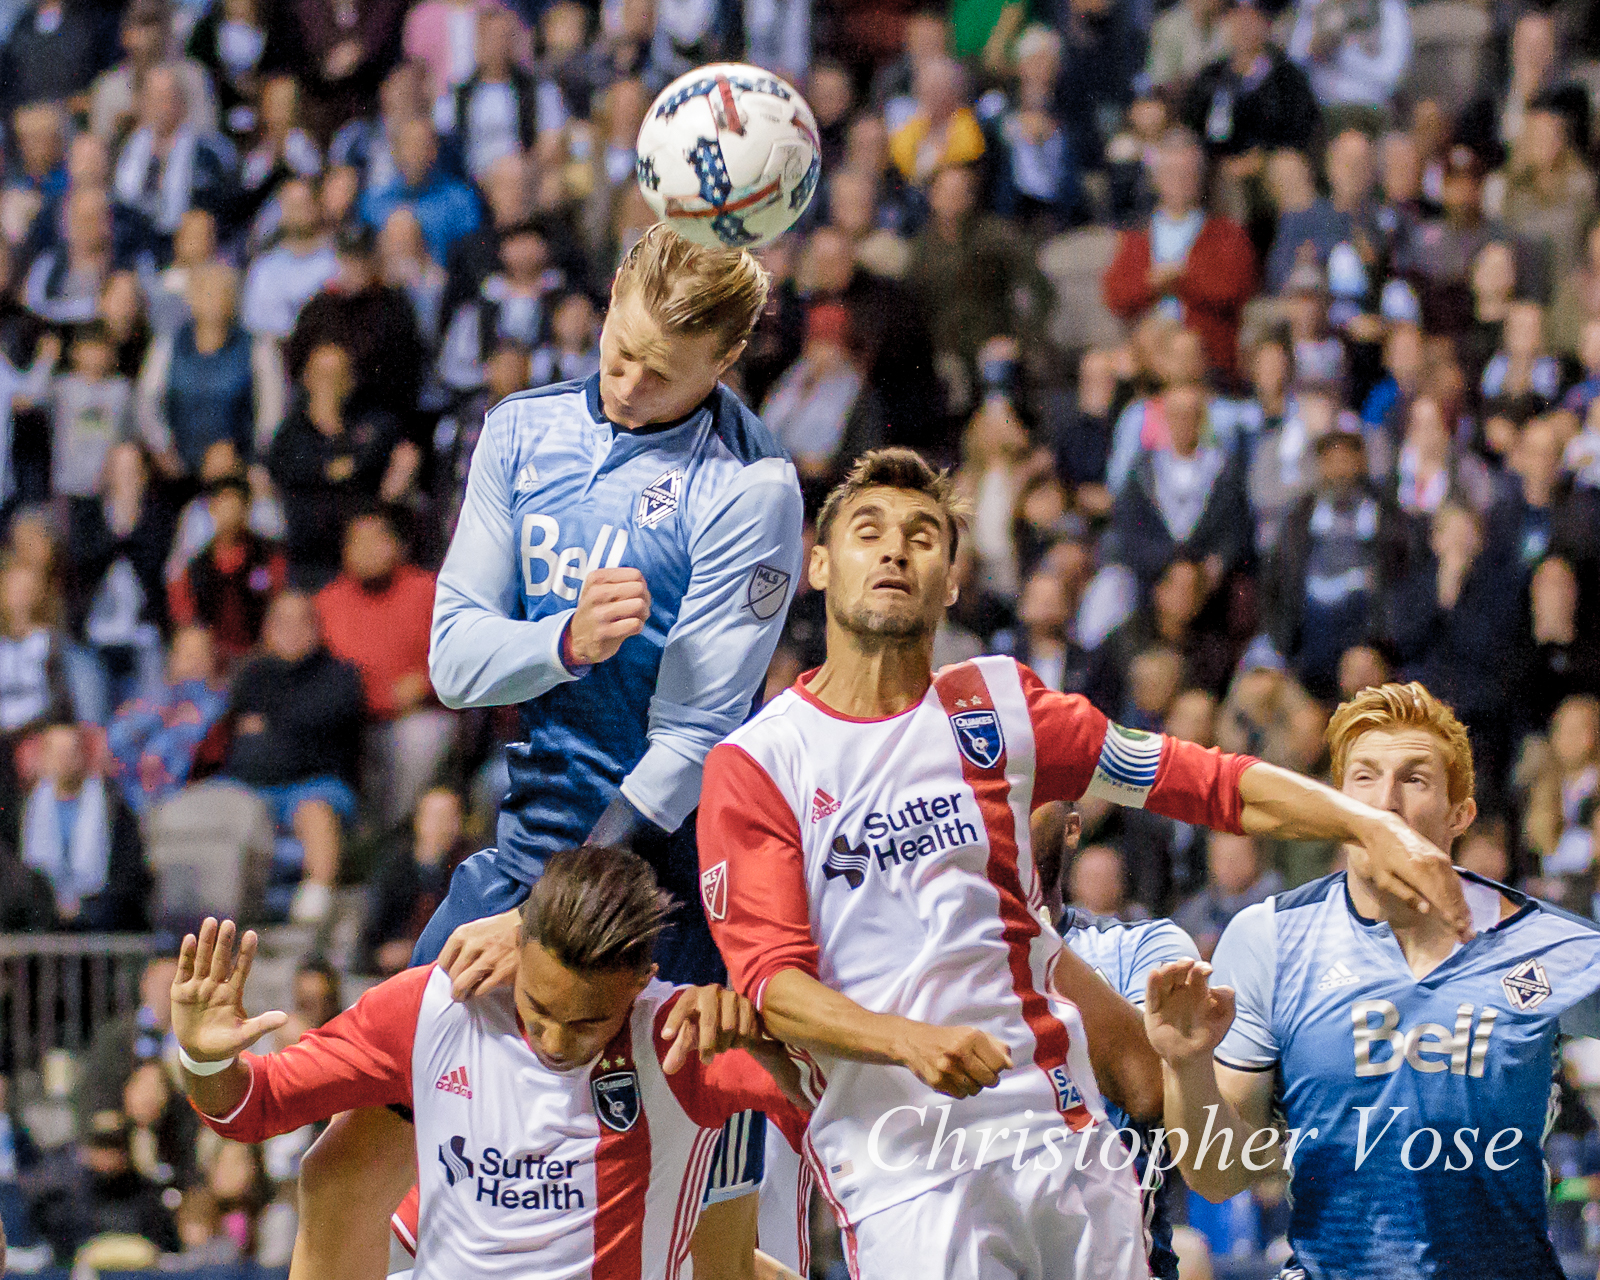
709	1020
482	954
208	1015
1184	1017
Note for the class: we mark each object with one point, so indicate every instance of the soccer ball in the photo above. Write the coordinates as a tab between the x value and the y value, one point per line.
728	156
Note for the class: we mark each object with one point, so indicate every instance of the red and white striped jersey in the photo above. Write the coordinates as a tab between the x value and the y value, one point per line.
891	860
525	1173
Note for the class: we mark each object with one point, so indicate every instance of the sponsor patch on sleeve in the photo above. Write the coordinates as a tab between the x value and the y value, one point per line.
1127	767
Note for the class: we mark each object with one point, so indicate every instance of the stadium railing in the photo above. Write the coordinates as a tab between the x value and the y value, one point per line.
55	989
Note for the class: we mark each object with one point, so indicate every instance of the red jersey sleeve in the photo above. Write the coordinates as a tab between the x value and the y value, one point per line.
362	1058
752	873
734	1081
1079	752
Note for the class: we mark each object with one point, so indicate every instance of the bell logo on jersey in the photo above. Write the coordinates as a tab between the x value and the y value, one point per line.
457	1163
659	499
823	806
1429	1047
979	737
547	569
714	890
455	1082
616	1100
1526	986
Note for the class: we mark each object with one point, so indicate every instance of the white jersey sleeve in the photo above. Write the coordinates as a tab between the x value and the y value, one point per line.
1246	959
481	654
745	554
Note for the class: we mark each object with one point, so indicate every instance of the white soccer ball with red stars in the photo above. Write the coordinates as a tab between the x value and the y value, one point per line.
728	155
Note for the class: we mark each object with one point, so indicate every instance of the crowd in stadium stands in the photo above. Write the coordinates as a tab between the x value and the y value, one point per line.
1268	356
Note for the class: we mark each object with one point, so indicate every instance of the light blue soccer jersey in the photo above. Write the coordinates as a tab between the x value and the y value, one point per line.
1419	1107
707	508
1124	955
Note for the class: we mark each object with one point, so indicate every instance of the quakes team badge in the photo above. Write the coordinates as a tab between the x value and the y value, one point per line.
616	1100
979	737
1526	986
659	499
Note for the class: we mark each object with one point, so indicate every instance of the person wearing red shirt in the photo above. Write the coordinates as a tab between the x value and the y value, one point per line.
1198	268
375	616
229	584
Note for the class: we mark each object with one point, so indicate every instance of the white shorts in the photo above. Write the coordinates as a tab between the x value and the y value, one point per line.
999	1223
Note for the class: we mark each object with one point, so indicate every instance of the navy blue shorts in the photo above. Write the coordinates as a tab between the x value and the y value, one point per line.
684	954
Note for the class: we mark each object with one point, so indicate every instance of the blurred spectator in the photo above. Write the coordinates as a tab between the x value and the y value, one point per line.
211	381
163	1126
1183	500
1198	269
373	321
941	130
410	883
332	455
1442	252
1496	120
228	586
279	149
1184	40
318	998
1562	658
1036	176
1268	715
194	245
375	615
1341	550
63	284
33	685
1545	195
1046	642
1577	299
1096	883
92	1189
239	43
130	1040
296	713
282	279
159	738
146	39
1167	620
1356	52
1250	100
1541	510
1522	367
1339	226
1235	880
1388	403
446	38
1455	619
346	50
973	279
854	209
572	352
118	545
500	109
166	168
1583	393
821	410
91	408
236	1181
1564	795
1102	52
510	307
52	54
1432	468
444	206
407	266
77	831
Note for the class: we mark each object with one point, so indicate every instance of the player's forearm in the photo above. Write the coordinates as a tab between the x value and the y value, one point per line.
478	658
803	1012
218	1096
1125	1066
1210	1157
777	1063
1290	806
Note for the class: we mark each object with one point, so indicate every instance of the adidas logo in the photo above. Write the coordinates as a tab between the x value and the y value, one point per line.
527	480
1339	975
455	1082
823	806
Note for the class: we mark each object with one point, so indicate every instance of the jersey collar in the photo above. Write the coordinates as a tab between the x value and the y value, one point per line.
1523	903
591	393
804	693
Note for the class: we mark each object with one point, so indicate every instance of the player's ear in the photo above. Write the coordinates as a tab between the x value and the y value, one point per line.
817	570
734	352
952	588
1461	817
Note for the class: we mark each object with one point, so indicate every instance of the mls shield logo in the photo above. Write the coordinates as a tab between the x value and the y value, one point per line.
978	735
659	500
714	890
457	1164
616	1100
765	594
1526	986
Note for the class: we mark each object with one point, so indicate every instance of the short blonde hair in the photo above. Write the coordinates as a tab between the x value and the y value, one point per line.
692	289
1403	706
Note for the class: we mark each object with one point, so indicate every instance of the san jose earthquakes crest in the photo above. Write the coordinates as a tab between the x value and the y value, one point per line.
616	1099
979	737
659	499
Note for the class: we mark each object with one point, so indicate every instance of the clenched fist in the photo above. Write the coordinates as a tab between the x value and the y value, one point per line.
613	605
955	1061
